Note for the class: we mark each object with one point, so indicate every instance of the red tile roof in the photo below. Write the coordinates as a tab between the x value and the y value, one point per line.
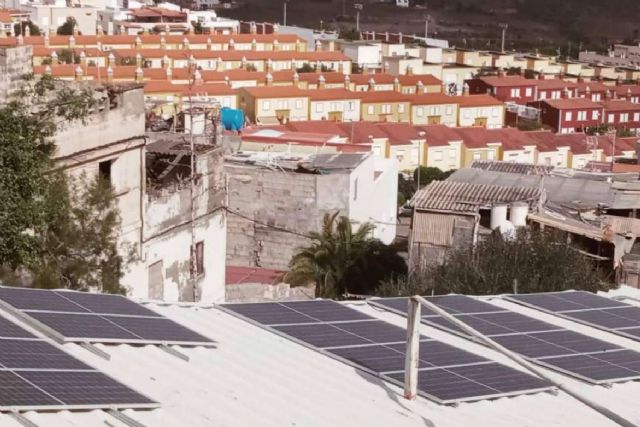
477	101
331	94
439	135
620	105
571	103
431	99
554	84
381	96
275	92
507	81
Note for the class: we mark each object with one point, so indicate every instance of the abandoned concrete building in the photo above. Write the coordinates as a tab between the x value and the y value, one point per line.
15	63
275	201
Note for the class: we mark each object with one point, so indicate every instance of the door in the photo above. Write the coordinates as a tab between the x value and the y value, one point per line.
335	116
433	120
480	121
156	281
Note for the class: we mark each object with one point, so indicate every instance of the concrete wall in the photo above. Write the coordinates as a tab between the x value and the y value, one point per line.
167	234
15	62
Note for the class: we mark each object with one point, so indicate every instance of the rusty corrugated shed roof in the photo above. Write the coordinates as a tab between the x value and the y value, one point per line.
463	197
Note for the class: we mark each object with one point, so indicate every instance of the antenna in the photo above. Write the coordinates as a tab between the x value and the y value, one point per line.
504	35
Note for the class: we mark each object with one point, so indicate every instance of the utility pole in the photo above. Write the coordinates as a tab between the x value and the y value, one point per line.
504	35
284	20
426	27
344	7
358	7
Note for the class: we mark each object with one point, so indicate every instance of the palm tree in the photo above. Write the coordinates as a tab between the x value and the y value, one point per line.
338	256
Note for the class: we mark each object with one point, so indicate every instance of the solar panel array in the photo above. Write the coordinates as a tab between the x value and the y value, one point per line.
86	317
34	374
569	352
587	308
446	374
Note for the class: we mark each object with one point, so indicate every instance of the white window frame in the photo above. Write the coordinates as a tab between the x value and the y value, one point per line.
266	105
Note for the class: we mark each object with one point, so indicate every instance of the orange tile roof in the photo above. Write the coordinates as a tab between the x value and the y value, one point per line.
381	96
571	103
555	84
439	135
275	92
5	17
620	105
431	99
477	101
202	89
331	94
506	81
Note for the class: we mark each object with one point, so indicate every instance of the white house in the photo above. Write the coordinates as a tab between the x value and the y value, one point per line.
334	104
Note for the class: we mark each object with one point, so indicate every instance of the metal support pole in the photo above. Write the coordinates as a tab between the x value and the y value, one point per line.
358	21
284	18
412	356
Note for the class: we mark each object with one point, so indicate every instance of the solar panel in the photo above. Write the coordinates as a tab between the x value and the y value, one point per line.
379	347
70	316
35	374
538	341
587	308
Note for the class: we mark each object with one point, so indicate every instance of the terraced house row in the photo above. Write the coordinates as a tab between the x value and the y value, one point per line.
440	146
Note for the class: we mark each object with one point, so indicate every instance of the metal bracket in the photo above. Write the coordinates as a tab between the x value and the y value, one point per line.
172	351
124	418
95	350
21	419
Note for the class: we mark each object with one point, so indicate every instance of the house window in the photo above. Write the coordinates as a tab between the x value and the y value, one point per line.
636	117
543	95
298	104
200	258
266	105
386	108
582	115
419	111
594	115
568	116
355	190
452	153
449	110
528	91
491	155
611	118
104	170
319	108
515	93
477	156
596	97
370	109
437	156
624	118
401	108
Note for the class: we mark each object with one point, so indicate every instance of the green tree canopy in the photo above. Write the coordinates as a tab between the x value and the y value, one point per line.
66	29
341	261
20	27
538	261
427	174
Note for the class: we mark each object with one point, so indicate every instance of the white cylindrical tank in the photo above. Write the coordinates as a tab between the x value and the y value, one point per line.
498	216
194	122
508	230
518	215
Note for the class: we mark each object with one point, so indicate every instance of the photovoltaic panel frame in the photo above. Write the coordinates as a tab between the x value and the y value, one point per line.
548	345
70	316
36	375
378	347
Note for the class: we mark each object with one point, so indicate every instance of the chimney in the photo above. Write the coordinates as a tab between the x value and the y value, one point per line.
109	74
83	58
318	67
197	76
276	28
27	31
253	28
227	81
47	70
232	44
111	60
138	60
372	84
347	82
79	73
296	79
386	66
465	89
386	36
169	73
540	76
400	38
276	45
268	80
185	43
254	44
165	62
243	63
72	42
219	64
321	82
299	46
163	43
396	85
420	87
20	39
138	42
269	65
318	45
209	44
167	29
409	71
54	58
139	75
192	61
100	30
46	39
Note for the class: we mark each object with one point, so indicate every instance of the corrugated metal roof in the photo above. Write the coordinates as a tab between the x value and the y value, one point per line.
466	197
511	167
433	228
255	378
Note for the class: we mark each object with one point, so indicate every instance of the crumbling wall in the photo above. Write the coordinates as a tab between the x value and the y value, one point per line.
263	201
15	62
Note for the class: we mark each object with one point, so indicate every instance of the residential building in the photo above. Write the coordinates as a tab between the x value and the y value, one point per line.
445	147
366	54
592	90
48	17
334	104
514	89
480	110
570	115
434	109
383	106
273	104
555	88
265	202
6	23
622	115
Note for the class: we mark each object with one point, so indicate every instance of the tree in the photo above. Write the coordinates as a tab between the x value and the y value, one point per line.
79	242
406	188
68	56
428	174
538	261
19	28
66	29
197	27
340	260
306	68
349	34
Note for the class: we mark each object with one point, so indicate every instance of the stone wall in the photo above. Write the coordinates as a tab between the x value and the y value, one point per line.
262	200
15	62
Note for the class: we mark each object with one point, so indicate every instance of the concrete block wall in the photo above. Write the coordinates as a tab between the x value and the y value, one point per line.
273	199
15	62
